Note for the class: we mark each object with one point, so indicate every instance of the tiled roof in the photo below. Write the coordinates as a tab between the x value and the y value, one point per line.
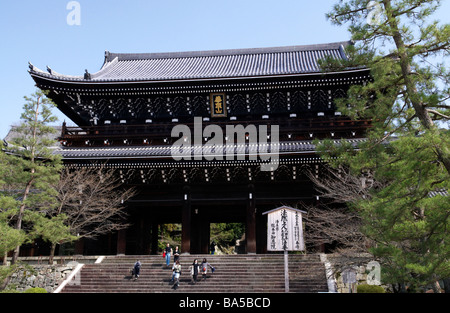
13	134
207	64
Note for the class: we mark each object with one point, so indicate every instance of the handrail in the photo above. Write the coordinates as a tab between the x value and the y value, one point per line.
157	129
69	278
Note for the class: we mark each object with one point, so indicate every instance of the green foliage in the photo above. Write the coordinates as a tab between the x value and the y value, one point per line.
369	289
28	171
33	163
51	229
6	271
10	290
10	238
226	234
170	233
35	290
409	82
405	149
409	226
223	234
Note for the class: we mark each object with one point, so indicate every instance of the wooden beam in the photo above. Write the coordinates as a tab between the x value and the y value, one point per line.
186	219
250	234
121	241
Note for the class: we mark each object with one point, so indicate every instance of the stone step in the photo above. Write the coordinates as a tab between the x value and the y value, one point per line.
144	277
234	273
218	270
209	258
204	284
192	289
199	284
116	259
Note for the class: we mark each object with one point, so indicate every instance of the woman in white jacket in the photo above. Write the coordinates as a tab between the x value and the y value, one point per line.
176	274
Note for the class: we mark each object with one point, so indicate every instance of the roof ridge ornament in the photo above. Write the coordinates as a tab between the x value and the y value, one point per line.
87	75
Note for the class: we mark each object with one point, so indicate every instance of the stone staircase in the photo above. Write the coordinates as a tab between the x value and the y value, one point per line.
234	274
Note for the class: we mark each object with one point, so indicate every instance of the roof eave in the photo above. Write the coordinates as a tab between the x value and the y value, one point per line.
201	79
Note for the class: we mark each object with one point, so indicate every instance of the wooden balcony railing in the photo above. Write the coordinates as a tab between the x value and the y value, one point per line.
291	128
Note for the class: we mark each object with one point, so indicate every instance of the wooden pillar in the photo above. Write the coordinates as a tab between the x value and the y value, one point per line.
320	247
154	238
205	234
121	241
147	244
79	246
261	231
196	231
109	243
31	251
186	218
141	240
250	234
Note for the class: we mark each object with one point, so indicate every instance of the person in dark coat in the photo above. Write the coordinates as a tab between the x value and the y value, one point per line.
176	255
195	268
136	270
168	251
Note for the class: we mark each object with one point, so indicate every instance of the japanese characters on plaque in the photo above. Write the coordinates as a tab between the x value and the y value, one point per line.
285	230
218	104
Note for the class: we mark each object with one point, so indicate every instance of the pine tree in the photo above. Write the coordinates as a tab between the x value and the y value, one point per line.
9	236
406	150
31	167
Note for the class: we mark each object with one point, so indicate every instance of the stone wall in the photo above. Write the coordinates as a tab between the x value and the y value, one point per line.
348	272
43	276
35	272
360	275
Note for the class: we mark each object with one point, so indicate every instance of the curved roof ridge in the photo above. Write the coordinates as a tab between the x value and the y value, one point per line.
107	65
109	56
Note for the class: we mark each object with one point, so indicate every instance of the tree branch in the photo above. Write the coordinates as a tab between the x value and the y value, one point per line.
438	113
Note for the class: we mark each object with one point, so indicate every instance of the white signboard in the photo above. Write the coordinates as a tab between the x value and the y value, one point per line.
285	229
